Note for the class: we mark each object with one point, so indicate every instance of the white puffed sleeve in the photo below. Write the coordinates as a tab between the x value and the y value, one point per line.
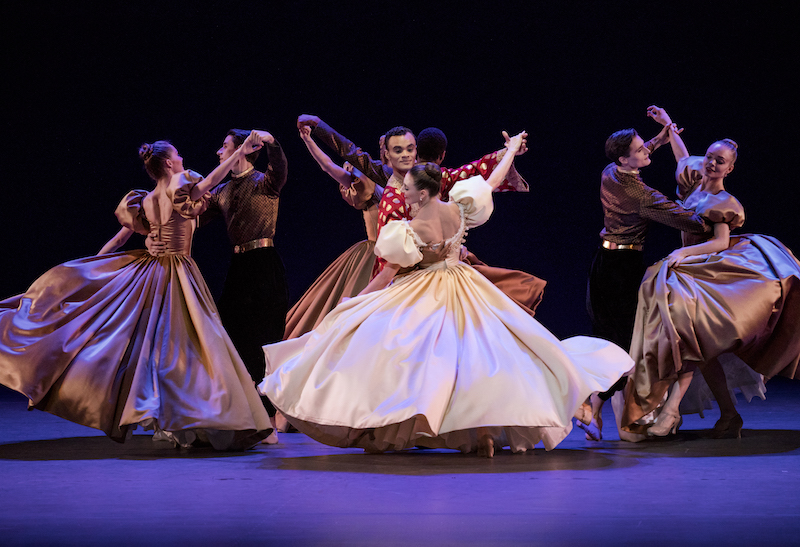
475	195
396	244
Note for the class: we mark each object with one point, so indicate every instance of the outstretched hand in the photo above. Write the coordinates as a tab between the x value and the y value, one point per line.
253	142
518	144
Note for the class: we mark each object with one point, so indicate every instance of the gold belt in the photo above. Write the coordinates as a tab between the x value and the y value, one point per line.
255	244
611	246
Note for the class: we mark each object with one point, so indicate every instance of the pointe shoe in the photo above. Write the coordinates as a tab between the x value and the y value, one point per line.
486	447
666	423
728	428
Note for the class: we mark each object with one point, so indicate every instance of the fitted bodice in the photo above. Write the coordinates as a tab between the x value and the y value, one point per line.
714	208
178	230
399	244
177	233
454	242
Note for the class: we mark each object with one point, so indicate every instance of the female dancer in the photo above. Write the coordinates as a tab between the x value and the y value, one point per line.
351	272
441	358
728	294
126	338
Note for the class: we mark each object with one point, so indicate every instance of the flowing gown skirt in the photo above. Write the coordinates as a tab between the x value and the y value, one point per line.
428	360
744	300
125	338
346	276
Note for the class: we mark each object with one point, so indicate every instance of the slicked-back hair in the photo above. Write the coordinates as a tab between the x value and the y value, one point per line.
239	136
618	144
427	176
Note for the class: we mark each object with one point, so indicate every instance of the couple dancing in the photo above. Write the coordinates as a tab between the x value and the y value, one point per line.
127	338
723	309
438	357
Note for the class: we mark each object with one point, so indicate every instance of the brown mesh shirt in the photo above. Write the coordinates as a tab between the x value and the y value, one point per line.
629	205
249	203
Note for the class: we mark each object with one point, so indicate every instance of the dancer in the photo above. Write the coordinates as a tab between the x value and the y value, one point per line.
255	297
618	266
351	272
524	288
126	338
441	358
718	294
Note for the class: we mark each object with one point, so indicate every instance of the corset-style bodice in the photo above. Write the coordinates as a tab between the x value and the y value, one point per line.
177	233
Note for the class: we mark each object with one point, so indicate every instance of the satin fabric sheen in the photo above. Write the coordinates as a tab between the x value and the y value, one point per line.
744	301
125	338
436	355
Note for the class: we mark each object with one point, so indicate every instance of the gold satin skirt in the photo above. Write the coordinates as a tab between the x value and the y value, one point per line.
122	339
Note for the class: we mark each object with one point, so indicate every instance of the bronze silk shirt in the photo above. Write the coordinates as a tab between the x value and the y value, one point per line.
629	205
249	203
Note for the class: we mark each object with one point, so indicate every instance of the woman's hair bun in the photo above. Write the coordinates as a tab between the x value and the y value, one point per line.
145	151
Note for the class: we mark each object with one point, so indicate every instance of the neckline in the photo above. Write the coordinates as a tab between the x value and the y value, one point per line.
449	241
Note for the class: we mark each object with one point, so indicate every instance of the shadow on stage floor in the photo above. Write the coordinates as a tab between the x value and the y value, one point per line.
596	456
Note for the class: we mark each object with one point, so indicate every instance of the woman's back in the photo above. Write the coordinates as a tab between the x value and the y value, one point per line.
437	223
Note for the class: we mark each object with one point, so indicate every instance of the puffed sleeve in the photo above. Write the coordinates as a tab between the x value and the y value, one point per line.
396	244
359	193
475	195
131	214
723	207
182	200
688	175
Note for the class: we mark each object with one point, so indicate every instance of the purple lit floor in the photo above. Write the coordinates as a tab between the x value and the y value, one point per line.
64	484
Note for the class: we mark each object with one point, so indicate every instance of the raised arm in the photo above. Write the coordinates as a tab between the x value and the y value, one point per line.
337	173
345	148
516	145
672	132
116	242
253	142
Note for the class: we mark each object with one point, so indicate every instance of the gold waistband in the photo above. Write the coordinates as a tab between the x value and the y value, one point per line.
611	246
255	244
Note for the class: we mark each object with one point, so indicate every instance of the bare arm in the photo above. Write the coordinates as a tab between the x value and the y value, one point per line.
670	131
337	173
382	280
515	145
116	242
678	146
720	242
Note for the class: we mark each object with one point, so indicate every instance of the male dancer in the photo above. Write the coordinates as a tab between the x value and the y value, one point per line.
629	206
255	296
401	150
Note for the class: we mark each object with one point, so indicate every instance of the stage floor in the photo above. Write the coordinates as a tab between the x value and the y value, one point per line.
64	484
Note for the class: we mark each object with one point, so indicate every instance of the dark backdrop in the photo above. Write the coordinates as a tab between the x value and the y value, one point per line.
85	86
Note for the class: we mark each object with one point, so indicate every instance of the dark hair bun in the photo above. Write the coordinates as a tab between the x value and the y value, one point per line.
145	151
433	171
